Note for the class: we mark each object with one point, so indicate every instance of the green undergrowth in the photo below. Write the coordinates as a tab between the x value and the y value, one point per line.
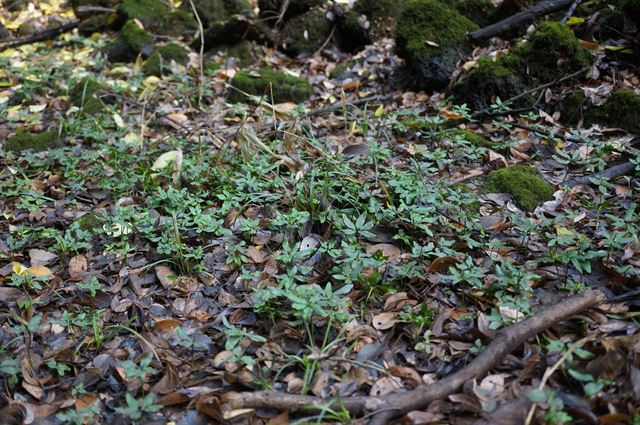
264	82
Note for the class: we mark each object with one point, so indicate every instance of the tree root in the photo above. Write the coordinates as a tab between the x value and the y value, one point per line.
393	405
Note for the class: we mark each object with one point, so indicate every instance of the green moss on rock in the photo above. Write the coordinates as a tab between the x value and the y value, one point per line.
305	33
552	52
212	11
431	37
161	58
486	83
157	17
574	107
24	140
479	11
258	83
474	138
620	110
238	28
523	183
131	41
84	95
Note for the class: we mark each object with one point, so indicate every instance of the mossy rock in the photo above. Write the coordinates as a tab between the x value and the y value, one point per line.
479	11
620	110
523	183
367	21
237	29
306	33
552	52
574	107
95	23
431	37
487	82
85	95
270	9
260	83
212	11
243	52
157	17
131	41
161	58
24	140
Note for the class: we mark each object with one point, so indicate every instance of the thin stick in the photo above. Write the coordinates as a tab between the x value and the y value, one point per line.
39	36
398	404
550	371
200	54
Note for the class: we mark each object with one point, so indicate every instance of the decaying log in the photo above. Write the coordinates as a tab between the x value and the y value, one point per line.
521	18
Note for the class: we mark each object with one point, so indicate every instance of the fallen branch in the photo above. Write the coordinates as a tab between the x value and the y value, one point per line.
393	405
39	36
610	173
520	18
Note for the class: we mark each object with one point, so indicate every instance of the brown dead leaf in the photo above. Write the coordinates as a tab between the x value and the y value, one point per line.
78	265
41	257
391	252
166	276
384	386
39	271
442	264
384	320
255	255
169	380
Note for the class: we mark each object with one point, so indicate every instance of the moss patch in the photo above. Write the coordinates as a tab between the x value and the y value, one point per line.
479	11
574	107
431	37
551	53
305	33
285	87
224	34
23	140
212	11
157	17
161	58
131	41
474	138
523	183
84	95
486	83
620	110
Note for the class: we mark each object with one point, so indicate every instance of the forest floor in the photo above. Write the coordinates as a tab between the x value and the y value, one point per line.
175	248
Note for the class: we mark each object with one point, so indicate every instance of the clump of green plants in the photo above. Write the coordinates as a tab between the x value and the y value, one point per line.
161	58
24	140
523	183
265	81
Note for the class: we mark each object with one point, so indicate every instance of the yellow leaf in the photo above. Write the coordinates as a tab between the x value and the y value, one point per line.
39	271
151	82
18	269
118	120
575	20
563	231
133	139
165	159
378	113
34	109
